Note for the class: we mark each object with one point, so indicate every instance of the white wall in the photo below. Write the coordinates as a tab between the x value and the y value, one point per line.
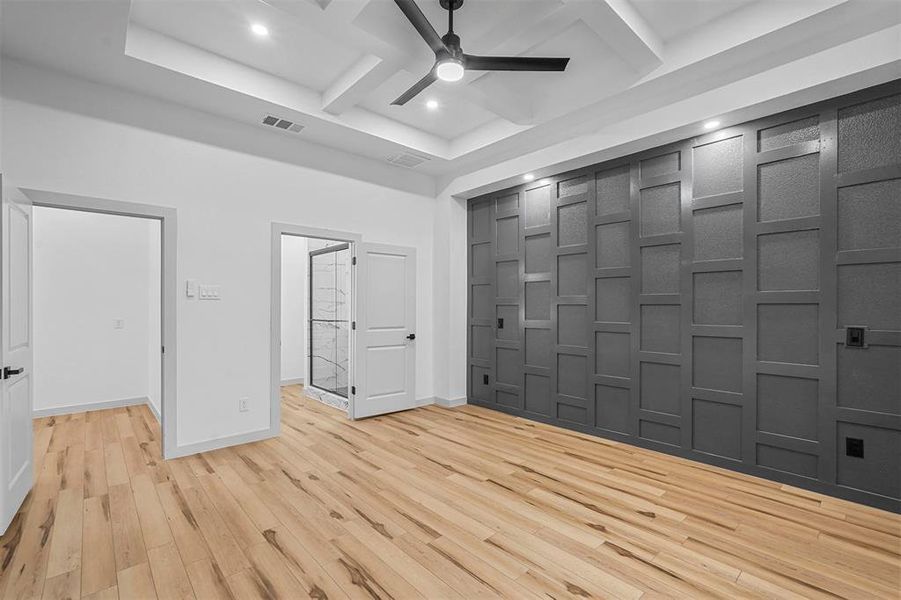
89	271
226	201
294	308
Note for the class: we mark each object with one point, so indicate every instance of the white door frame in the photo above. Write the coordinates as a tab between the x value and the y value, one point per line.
275	311
168	288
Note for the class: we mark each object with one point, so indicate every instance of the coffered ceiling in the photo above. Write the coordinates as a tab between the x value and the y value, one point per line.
334	66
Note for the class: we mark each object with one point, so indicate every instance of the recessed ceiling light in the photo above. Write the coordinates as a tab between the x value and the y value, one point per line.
260	29
711	124
528	177
431	104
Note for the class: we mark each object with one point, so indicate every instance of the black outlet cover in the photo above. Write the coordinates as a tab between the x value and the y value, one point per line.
854	447
854	337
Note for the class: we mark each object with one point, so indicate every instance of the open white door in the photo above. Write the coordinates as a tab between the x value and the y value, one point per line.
16	381
385	341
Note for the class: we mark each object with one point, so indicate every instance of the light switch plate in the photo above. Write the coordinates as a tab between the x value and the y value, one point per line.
209	292
191	288
118	323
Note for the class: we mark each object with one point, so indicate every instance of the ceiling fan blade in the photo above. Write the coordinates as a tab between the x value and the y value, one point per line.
417	87
422	25
513	63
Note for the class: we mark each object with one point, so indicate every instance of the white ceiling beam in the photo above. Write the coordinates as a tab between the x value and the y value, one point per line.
354	84
624	30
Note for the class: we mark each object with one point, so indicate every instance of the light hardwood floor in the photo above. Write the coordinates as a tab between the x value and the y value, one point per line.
430	503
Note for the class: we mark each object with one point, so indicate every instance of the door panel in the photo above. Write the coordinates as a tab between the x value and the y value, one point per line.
15	353
386	359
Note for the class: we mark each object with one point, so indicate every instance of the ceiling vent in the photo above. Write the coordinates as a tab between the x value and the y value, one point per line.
406	159
283	124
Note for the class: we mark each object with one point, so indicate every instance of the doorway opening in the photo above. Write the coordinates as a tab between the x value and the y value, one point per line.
366	290
316	319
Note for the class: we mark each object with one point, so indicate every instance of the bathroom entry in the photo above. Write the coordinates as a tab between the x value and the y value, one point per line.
343	321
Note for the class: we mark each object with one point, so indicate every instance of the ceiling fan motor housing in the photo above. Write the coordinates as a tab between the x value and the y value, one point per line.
446	4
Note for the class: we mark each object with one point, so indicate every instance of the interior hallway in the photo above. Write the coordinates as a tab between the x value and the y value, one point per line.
430	503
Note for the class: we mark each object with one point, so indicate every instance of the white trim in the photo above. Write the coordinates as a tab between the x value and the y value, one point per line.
168	288
156	413
450	402
53	411
294	381
223	442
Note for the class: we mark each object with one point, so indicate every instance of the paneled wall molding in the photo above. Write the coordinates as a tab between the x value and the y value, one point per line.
695	298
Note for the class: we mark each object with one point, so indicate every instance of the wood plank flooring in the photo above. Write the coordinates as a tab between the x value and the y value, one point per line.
430	503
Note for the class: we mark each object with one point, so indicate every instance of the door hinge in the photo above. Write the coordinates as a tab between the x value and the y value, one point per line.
162	349
353	324
353	390
353	260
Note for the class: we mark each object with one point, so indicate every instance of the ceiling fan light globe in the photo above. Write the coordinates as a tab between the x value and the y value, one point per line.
449	70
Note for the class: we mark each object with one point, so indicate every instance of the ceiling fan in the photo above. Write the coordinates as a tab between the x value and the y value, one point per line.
450	60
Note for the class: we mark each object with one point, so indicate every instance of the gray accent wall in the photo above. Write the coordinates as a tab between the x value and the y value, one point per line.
694	298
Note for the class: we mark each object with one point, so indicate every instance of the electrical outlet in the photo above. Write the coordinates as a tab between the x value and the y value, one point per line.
243	404
854	447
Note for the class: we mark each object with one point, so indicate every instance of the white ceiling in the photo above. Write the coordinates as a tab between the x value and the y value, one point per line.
335	65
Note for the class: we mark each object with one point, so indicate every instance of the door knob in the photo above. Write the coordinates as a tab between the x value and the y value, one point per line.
412	336
8	372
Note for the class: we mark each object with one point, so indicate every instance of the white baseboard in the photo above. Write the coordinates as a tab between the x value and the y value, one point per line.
156	413
224	442
53	411
294	381
450	402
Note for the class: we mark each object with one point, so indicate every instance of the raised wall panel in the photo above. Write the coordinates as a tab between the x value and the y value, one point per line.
507	236
480	336
869	295
508	366
571	220
717	298
868	134
663	164
538	206
660	210
539	343
870	378
717	167
660	328
659	384
787	406
482	302
612	298
869	215
572	325
538	253
507	279
571	275
611	408
716	428
538	300
693	298
717	363
612	190
481	260
612	354
789	134
659	432
718	232
660	269
789	189
788	261
538	397
612	241
787	461
788	333
572	376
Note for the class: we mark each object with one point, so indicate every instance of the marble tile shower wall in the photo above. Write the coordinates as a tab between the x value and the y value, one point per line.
330	316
